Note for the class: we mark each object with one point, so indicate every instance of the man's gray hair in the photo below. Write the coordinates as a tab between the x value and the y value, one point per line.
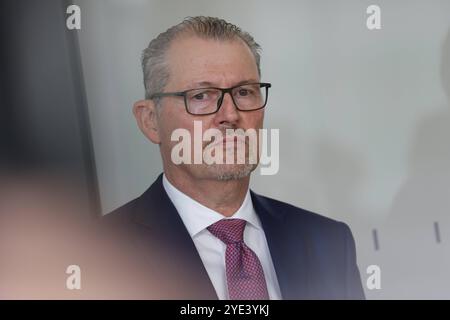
154	66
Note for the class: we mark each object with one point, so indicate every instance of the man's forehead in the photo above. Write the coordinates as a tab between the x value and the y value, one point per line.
209	62
199	84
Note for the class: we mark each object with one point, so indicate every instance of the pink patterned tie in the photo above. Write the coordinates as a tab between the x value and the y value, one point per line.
245	276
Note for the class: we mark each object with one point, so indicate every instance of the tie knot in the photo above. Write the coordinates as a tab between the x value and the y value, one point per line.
228	230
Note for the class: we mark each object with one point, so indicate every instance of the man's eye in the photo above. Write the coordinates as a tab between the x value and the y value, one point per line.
199	96
203	95
244	92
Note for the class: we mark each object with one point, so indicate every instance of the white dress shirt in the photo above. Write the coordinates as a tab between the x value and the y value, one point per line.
196	218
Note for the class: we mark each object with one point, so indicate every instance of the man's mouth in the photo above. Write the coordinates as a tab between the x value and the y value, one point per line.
229	141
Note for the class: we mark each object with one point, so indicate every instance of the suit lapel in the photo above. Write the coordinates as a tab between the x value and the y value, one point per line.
156	212
289	255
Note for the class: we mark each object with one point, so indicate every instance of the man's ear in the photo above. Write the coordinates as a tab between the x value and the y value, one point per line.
147	119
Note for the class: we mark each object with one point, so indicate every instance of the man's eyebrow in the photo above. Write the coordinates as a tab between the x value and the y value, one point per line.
203	84
247	81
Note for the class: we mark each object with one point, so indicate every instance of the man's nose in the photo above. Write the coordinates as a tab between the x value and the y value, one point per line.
227	112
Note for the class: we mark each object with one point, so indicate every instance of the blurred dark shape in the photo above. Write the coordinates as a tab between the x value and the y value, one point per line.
48	184
44	124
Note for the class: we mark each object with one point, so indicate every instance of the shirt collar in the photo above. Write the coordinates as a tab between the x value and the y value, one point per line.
196	217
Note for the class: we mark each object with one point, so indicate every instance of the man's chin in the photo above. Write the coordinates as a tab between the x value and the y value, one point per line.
229	172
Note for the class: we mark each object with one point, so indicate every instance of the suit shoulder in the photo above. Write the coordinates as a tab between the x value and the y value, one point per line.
293	213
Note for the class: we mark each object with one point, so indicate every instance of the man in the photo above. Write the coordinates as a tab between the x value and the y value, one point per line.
206	234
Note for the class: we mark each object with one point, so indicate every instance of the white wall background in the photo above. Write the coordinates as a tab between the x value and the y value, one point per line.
364	117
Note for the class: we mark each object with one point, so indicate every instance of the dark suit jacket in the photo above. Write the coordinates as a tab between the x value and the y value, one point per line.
314	256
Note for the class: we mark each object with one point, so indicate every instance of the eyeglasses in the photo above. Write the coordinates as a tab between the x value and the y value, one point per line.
205	101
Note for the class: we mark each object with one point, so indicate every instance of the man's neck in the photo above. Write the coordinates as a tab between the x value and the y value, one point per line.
224	197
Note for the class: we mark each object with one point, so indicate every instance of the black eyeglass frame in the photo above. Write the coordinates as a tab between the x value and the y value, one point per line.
183	94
